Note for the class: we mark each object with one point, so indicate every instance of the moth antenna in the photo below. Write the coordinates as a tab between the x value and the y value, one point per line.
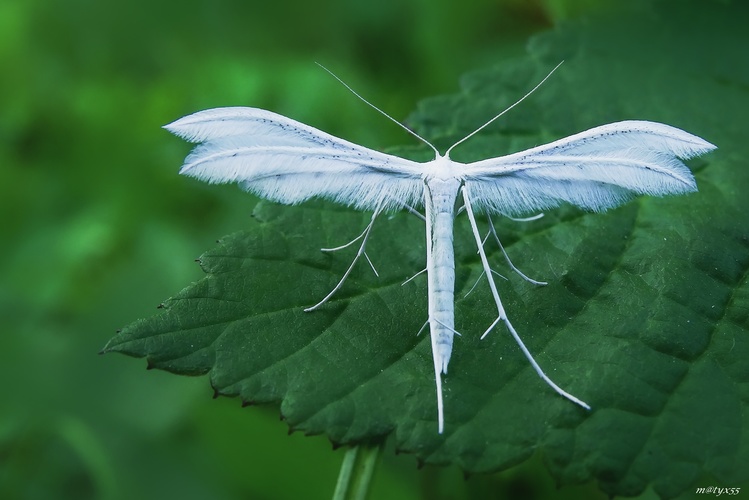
482	127
381	111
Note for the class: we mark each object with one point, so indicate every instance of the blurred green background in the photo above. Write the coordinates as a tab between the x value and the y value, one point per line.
98	228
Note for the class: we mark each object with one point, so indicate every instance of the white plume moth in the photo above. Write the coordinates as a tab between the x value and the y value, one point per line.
288	162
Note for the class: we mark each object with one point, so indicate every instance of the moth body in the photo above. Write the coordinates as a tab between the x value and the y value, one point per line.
439	201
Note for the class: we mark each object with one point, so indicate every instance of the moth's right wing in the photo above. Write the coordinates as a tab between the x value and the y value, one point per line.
598	169
287	161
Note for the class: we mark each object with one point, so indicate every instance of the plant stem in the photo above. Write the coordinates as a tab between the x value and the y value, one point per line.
357	470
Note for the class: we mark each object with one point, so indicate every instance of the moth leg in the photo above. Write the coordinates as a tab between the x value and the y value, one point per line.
413	211
364	237
456	332
507	257
525	219
366	256
414	276
502	315
422	328
335	249
479	279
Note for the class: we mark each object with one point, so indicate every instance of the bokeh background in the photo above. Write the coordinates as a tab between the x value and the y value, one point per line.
98	228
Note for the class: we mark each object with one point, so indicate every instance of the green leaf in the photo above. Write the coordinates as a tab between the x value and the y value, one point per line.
645	315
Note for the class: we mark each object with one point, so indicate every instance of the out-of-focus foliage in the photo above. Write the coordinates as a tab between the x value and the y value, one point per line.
98	228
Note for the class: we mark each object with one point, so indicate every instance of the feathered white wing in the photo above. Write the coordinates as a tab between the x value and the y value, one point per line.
289	162
596	170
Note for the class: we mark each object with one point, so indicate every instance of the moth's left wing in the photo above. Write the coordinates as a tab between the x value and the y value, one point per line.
596	170
287	161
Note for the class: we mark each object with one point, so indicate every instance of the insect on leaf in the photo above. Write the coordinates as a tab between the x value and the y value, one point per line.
627	322
288	162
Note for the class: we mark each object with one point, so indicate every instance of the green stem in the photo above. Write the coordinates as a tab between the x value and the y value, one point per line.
357	470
